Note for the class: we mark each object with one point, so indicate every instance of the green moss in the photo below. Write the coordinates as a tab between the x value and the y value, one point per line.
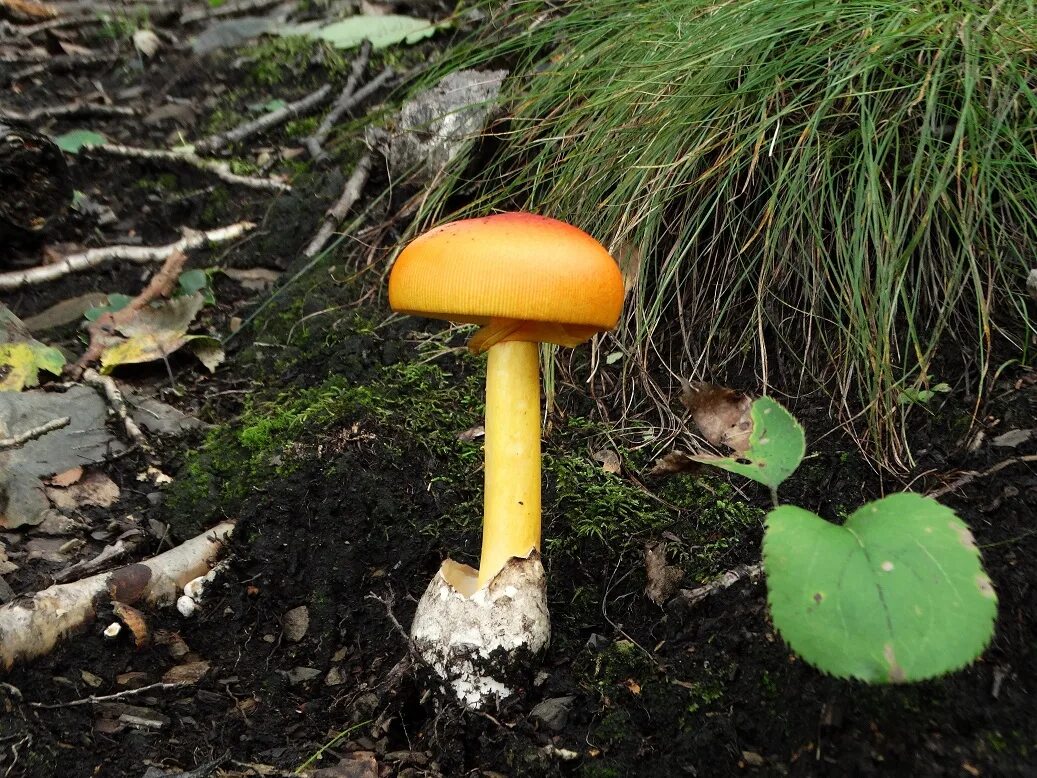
302	127
275	60
272	437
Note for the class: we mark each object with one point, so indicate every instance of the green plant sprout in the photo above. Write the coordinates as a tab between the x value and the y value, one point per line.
895	594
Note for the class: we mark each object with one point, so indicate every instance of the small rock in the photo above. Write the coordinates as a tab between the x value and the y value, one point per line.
6	592
295	623
361	764
334	677
112	630
553	713
419	758
90	679
1013	438
597	642
298	675
436	125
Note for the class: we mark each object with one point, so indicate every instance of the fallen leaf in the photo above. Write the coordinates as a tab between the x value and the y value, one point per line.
94	489
65	312
156	331
135	623
721	414
29	10
472	433
609	459
76	140
146	42
632	686
663	579
255	279
1013	438
191	673
673	463
67	478
359	764
21	356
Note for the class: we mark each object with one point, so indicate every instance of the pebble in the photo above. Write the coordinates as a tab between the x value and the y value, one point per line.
295	623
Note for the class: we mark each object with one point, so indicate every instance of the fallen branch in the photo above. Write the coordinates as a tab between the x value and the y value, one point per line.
62	63
33	626
219	169
972	475
36	432
226	9
264	122
75	108
357	98
313	143
103	328
350	194
116	402
141	254
725	581
94	699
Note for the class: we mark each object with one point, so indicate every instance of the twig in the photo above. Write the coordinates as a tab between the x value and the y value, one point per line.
219	169
116	402
103	328
725	581
36	432
360	95
75	108
227	9
61	64
265	122
123	546
972	475
94	699
75	20
313	143
350	194
141	254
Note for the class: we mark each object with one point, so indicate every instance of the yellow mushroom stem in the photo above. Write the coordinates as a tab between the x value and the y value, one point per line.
511	513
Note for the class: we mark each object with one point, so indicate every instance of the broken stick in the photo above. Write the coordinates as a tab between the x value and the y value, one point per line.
265	122
337	212
219	169
93	257
31	627
313	143
36	432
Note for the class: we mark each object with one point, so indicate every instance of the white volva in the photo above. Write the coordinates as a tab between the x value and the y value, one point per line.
457	628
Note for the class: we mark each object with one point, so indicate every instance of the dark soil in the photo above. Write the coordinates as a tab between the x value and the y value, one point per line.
349	508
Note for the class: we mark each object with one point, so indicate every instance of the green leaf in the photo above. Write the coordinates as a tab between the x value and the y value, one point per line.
382	31
72	142
898	593
194	281
776	446
116	302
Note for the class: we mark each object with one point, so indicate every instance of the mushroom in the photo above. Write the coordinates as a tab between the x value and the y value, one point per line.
526	279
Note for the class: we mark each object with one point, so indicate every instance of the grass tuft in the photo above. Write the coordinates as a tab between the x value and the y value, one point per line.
837	195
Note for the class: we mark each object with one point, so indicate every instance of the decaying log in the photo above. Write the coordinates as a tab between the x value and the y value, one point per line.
32	626
35	185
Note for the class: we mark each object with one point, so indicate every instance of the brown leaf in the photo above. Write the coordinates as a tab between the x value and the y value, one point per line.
609	459
67	478
134	621
359	764
472	434
192	672
95	488
721	414
29	10
673	463
663	579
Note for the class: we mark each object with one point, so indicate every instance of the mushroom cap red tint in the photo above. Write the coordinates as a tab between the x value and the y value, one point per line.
510	266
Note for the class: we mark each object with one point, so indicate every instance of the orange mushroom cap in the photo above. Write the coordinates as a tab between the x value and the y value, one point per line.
527	276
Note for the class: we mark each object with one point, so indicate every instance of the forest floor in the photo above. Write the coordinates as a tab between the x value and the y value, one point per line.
343	442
